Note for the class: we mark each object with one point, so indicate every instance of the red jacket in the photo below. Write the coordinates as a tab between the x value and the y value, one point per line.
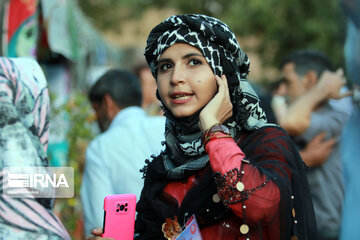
260	207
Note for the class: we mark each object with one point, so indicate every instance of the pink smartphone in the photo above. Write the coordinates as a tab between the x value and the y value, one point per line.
119	216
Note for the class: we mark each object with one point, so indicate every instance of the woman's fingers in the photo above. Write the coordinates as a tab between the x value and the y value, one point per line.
222	83
219	109
97	231
227	98
224	80
97	235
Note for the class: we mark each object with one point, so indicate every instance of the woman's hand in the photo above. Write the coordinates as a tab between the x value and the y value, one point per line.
219	109
97	235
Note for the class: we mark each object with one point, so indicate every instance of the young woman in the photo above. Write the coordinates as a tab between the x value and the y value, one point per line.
241	177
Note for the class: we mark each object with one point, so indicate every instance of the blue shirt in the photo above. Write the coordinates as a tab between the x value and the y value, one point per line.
114	158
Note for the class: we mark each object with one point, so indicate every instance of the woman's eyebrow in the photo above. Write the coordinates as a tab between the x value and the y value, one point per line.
189	55
192	55
164	60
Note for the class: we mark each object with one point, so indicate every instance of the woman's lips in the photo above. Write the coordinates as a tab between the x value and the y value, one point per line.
180	98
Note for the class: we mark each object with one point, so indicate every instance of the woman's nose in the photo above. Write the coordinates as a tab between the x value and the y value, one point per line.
178	75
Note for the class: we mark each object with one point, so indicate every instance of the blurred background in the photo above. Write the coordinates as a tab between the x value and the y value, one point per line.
76	40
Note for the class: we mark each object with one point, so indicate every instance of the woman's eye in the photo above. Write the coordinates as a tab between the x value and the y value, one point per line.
194	62
164	67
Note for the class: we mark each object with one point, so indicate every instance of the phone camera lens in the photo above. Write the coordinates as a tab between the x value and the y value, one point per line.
126	204
117	210
117	205
125	209
122	207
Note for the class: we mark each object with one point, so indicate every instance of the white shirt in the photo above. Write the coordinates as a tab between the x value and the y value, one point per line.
114	158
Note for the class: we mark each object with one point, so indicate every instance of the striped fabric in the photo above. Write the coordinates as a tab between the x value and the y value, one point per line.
24	129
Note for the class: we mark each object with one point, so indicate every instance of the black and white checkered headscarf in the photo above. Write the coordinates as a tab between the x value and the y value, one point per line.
224	55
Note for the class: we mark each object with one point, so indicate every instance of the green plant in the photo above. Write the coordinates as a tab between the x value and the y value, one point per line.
79	134
280	26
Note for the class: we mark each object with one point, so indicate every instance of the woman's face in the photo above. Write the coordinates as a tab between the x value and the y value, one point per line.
185	80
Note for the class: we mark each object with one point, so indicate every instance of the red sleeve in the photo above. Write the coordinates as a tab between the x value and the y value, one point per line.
226	158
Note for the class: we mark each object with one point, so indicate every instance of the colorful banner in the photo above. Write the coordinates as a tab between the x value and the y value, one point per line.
21	22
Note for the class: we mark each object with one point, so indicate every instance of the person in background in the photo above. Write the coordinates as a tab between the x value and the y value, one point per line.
317	149
150	103
24	132
350	150
129	136
310	85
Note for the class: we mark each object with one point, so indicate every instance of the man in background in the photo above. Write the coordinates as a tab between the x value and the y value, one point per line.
129	137
311	83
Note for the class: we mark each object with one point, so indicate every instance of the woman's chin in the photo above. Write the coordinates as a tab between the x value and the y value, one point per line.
183	114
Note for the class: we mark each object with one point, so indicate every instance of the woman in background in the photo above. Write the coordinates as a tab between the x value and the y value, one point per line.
24	129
